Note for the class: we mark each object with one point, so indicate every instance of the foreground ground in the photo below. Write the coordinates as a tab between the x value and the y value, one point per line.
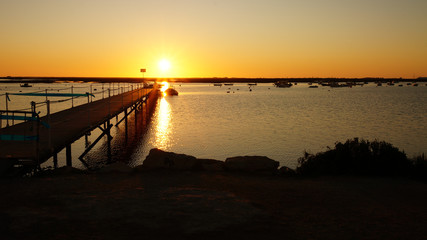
190	205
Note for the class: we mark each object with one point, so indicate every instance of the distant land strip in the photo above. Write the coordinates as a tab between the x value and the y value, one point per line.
10	79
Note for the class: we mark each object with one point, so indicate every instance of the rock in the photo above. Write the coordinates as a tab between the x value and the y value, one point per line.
285	171
251	164
211	165
117	167
66	170
6	165
160	159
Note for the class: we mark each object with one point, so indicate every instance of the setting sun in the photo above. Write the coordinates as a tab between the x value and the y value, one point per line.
164	65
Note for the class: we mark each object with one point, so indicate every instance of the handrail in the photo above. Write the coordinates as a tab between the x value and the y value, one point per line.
52	92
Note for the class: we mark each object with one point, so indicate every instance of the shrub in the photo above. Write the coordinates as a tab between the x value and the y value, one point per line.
419	168
356	158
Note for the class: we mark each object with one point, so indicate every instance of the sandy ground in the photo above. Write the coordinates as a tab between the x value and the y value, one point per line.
202	205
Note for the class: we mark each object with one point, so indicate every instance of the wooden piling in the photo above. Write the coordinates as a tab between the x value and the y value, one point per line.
68	155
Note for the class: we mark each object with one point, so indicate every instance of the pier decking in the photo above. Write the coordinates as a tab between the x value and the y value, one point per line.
61	129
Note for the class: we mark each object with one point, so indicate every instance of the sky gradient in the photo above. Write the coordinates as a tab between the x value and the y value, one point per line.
214	38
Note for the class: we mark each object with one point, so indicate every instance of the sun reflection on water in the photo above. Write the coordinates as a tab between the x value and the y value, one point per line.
163	125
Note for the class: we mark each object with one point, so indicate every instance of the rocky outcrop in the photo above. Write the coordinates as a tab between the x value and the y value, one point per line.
251	164
211	165
285	171
117	167
158	159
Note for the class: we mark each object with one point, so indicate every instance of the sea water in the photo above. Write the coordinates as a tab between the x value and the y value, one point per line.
214	122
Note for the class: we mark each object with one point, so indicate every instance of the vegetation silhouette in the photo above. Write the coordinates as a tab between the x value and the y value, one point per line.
362	157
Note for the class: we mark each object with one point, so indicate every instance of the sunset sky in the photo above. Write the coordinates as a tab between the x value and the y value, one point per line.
214	38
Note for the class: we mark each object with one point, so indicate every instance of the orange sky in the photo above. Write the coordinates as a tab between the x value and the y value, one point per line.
214	38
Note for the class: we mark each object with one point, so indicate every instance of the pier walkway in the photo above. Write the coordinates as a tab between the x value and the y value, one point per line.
36	141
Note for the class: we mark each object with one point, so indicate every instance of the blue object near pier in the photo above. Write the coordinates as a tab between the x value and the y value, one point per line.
9	137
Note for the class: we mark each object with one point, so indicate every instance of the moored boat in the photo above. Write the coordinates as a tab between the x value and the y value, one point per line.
283	84
171	92
26	85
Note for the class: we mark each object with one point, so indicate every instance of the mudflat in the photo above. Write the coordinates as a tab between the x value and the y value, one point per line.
211	205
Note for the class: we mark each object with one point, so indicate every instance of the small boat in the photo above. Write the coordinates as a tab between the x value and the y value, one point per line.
338	85
26	85
313	86
171	92
252	84
217	84
415	84
283	84
228	84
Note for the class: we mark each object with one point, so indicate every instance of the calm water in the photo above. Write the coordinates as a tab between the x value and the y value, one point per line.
207	122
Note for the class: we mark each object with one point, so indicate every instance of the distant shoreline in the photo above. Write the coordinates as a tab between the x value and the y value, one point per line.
10	79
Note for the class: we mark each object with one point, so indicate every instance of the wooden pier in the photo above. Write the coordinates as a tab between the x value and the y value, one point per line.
34	142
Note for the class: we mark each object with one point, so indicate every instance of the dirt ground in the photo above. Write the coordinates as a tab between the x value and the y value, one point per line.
204	205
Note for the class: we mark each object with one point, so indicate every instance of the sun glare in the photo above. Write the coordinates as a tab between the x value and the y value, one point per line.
165	86
164	65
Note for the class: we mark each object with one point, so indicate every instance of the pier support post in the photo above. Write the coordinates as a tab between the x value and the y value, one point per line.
86	140
72	98
7	110
136	115
126	123
68	155
55	160
109	141
49	122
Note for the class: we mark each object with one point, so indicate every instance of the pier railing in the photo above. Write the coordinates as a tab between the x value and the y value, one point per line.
10	116
48	134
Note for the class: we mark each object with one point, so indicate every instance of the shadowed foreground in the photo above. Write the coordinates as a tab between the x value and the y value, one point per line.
203	205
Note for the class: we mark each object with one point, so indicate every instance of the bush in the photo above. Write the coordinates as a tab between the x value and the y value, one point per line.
419	169
356	157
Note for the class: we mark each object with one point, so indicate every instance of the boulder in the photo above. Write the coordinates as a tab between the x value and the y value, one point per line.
211	165
285	171
66	170
117	167
251	164
160	159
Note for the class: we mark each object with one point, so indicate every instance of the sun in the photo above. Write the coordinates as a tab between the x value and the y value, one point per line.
164	65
